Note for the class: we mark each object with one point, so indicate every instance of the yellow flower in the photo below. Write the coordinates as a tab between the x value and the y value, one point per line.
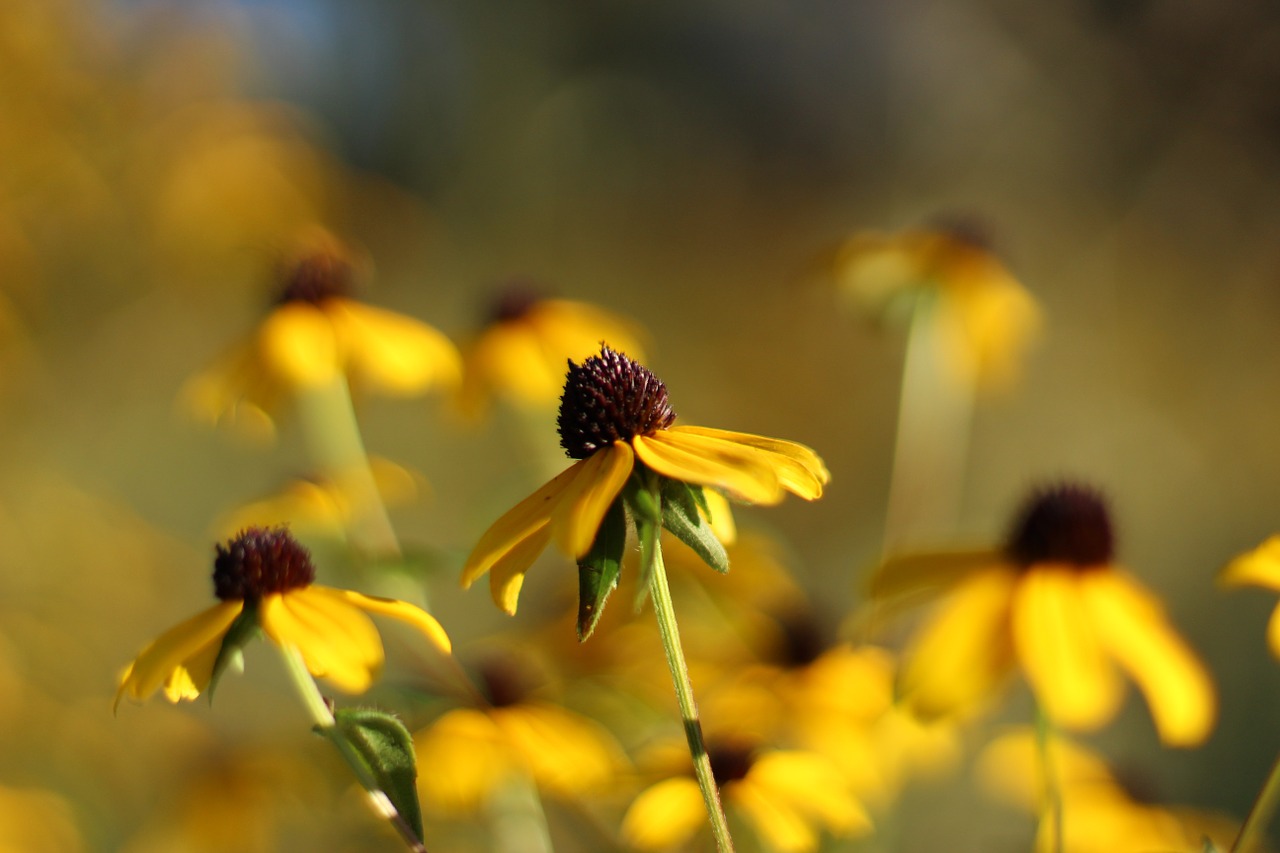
521	353
1057	606
789	797
265	577
615	420
33	820
1259	567
986	318
1098	814
469	755
317	335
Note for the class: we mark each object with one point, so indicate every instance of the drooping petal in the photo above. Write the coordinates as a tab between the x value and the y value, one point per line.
733	468
174	649
1060	648
507	575
800	469
518	524
405	612
963	653
1133	626
581	508
296	342
1259	567
720	516
392	353
336	639
665	815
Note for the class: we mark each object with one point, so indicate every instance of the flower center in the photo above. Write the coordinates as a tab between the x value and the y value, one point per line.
317	275
505	681
513	302
730	761
260	562
802	642
1067	523
610	398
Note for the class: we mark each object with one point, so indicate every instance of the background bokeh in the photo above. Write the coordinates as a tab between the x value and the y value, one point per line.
690	165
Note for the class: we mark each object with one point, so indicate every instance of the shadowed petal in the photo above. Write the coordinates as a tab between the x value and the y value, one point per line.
582	506
1060	649
799	468
733	468
405	612
1134	629
175	649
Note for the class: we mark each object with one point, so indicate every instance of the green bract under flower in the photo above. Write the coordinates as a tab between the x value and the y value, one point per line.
616	420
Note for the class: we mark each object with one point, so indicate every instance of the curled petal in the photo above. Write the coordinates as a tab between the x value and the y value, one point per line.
665	815
581	508
800	469
1136	632
336	639
734	468
177	657
1060	648
405	612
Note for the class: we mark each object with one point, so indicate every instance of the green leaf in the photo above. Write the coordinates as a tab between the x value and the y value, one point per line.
643	496
386	748
680	515
243	630
598	570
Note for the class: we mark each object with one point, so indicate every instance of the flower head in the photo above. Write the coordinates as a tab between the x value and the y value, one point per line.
616	421
319	333
1054	604
521	350
264	580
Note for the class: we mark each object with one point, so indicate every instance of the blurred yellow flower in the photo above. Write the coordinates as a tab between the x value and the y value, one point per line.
1098	814
522	351
614	419
317	335
1259	567
1057	606
986	318
469	755
265	577
37	821
788	797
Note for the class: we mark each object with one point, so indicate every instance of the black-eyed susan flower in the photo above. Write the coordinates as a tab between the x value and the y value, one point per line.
264	580
516	734
789	798
521	350
616	421
985	318
317	334
1056	605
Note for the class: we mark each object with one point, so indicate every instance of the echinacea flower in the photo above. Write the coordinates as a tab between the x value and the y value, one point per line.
521	351
318	334
985	317
615	420
788	797
1055	605
263	580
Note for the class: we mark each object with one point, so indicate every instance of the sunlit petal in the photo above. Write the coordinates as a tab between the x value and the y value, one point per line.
1133	626
800	468
337	640
1060	648
738	472
405	612
1259	567
297	343
391	352
581	508
664	816
175	648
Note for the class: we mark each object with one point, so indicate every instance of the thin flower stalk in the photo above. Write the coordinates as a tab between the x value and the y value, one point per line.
1260	813
1051	805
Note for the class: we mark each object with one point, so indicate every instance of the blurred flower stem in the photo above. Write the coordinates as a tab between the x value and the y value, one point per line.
660	591
1260	813
520	823
1051	808
325	723
332	437
935	408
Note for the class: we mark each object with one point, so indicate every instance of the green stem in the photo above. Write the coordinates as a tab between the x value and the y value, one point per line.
1049	777
333	440
520	823
661	594
324	720
1260	813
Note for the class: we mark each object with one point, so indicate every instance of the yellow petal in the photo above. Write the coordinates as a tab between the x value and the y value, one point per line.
564	752
337	641
462	759
800	469
405	612
732	468
1259	567
1060	649
811	785
507	575
581	508
175	648
518	524
720	516
776	821
665	815
392	353
1133	626
296	342
963	652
